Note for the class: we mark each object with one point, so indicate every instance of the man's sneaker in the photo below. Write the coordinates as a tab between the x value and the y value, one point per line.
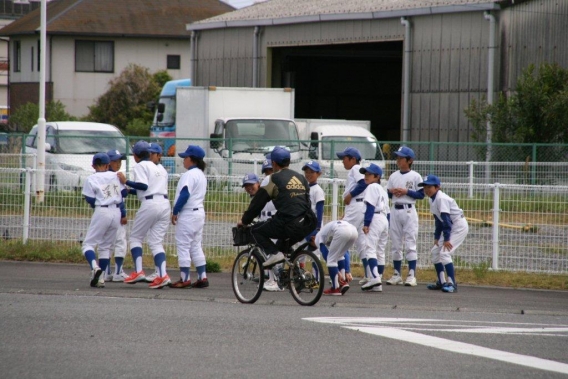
95	275
135	277
434	286
160	282
107	277
332	292
410	281
378	288
371	284
181	284
121	277
150	278
394	280
449	287
274	259
364	281
271	286
101	282
200	283
344	288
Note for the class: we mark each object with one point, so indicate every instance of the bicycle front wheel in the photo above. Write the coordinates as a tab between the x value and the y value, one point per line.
247	276
306	278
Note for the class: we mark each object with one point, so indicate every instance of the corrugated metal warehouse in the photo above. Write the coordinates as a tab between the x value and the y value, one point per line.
409	66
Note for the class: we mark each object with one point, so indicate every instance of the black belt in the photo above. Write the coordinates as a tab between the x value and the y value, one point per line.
150	197
195	209
402	206
359	200
109	206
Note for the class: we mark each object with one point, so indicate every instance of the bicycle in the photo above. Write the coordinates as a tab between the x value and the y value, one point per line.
301	272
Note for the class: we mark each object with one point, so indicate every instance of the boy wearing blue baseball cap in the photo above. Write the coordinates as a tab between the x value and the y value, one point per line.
451	227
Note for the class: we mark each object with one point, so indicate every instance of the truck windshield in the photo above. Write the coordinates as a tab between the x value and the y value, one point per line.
169	117
366	146
86	141
262	135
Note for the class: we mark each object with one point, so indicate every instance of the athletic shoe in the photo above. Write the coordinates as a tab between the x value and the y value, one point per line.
410	281
344	288
271	286
434	286
135	277
181	284
371	283
200	283
160	282
95	275
107	277
364	281
274	259
378	288
449	288
394	280
332	292
120	277
101	282
150	278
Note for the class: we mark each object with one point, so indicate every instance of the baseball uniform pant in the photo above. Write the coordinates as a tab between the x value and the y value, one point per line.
376	240
102	231
151	221
189	233
403	233
354	214
444	256
343	239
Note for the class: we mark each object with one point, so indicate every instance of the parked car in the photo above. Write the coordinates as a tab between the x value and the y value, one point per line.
69	149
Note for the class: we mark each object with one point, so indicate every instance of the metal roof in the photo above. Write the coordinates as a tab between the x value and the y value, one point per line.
279	12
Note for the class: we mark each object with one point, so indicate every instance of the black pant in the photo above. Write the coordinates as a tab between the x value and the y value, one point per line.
282	229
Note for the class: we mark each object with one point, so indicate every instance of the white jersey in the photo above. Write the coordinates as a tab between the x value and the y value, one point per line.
104	187
196	182
408	180
269	209
376	196
445	204
316	195
353	178
155	176
326	234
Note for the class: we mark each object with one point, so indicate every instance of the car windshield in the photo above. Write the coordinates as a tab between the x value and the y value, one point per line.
169	115
88	141
250	135
367	146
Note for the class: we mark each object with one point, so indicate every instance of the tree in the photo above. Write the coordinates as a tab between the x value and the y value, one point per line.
127	98
25	117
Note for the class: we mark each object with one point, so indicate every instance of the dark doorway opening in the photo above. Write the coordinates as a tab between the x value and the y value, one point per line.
353	81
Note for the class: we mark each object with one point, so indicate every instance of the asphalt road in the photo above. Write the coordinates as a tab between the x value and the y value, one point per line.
55	326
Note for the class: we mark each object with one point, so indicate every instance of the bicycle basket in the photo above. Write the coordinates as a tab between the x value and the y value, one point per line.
242	237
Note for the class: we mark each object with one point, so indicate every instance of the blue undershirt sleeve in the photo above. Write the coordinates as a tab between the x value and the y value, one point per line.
369	212
91	201
361	186
438	228
182	199
447	228
319	213
418	195
124	193
136	185
122	207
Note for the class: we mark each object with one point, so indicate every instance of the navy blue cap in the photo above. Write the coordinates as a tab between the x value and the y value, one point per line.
349	152
193	151
250	179
155	148
279	154
102	158
115	155
140	147
405	152
312	165
267	164
372	169
430	180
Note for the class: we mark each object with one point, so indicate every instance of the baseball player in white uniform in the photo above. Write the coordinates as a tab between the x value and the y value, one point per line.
333	240
353	197
402	188
118	275
155	151
375	227
103	192
189	218
451	227
150	183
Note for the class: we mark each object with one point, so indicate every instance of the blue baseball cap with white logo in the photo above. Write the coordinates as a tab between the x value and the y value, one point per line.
140	147
372	169
115	155
155	148
101	158
312	165
267	164
279	154
193	151
430	180
349	152
405	152
250	179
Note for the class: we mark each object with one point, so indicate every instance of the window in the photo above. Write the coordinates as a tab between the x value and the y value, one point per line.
94	56
32	61
38	54
17	58
174	62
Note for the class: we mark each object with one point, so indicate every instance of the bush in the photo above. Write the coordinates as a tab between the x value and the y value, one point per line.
26	116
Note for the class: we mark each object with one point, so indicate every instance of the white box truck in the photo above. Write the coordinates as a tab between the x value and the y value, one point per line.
244	124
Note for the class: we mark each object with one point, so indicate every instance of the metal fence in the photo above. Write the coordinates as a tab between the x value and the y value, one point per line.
512	227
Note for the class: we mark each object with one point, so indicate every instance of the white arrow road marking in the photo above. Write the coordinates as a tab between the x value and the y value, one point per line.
384	327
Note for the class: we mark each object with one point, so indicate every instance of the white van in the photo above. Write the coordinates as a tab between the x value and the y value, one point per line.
70	146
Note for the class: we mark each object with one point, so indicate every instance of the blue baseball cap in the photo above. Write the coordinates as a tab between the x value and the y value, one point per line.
279	154
115	155
155	148
349	152
140	147
102	158
250	179
193	151
267	164
405	152
312	165
372	169
430	180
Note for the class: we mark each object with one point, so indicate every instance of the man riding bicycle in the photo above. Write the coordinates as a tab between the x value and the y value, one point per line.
294	219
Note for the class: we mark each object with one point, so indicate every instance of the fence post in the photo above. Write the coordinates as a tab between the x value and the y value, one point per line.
495	234
334	203
470	189
533	165
27	196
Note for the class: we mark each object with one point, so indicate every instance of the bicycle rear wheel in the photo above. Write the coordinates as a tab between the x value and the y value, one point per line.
306	278
247	277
